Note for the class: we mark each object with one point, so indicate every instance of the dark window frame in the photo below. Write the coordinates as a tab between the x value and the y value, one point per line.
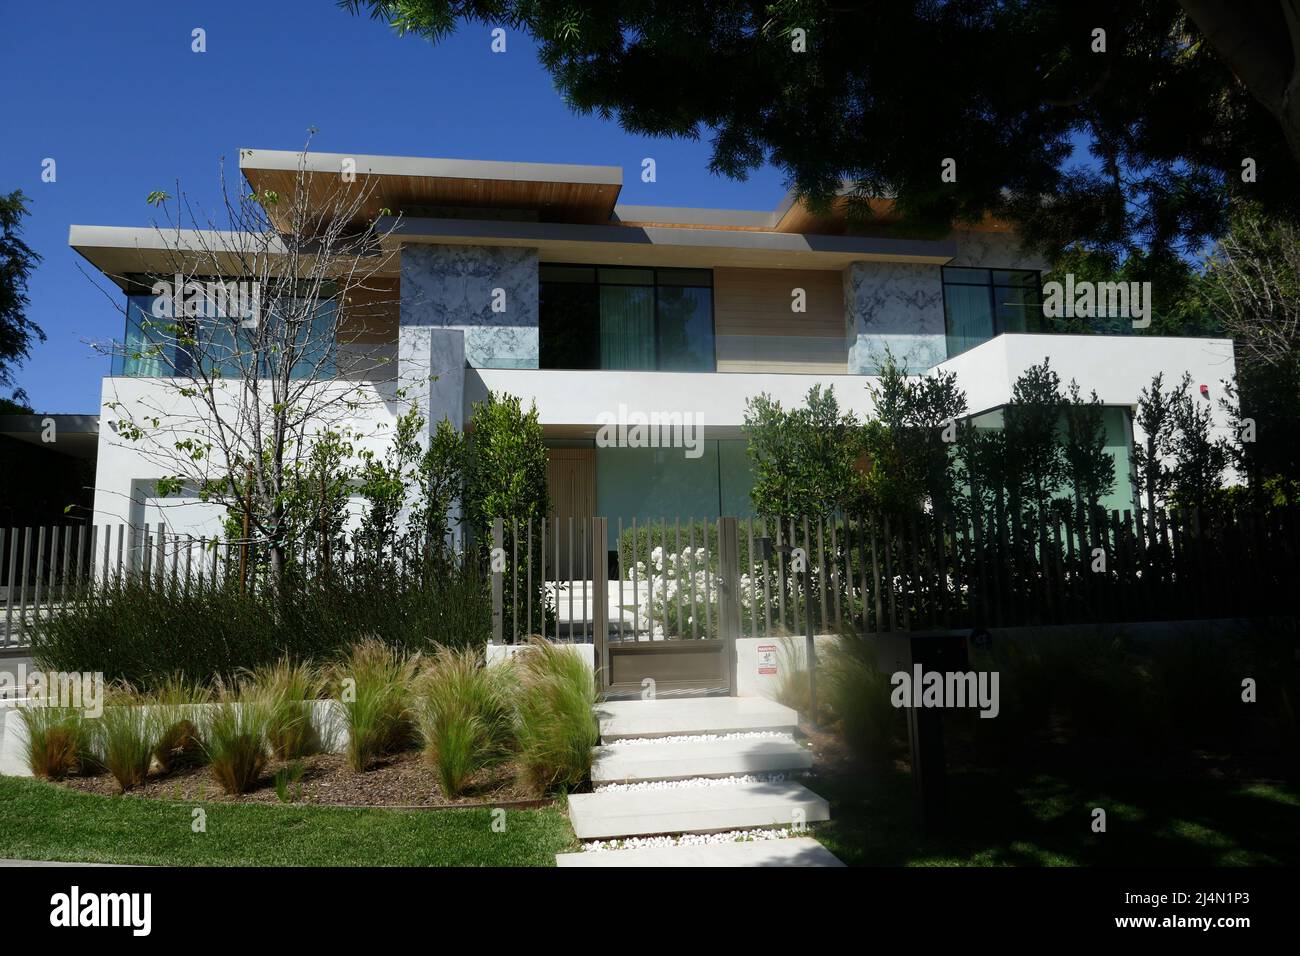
992	287
654	287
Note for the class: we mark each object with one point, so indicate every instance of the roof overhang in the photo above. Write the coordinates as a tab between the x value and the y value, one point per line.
553	192
74	435
120	251
669	245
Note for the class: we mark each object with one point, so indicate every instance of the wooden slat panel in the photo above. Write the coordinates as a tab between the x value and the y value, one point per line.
571	484
756	331
371	314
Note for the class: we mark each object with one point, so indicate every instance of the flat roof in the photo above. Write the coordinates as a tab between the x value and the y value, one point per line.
671	245
556	192
118	251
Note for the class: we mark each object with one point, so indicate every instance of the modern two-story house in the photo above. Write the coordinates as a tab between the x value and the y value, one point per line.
614	311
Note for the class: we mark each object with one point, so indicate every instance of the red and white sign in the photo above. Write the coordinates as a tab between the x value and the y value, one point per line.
767	660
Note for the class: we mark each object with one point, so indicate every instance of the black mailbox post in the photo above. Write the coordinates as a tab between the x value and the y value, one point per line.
941	651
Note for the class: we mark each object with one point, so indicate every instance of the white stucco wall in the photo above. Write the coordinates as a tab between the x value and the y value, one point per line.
126	470
1118	367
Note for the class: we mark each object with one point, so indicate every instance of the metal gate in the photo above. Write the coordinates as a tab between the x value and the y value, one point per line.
662	608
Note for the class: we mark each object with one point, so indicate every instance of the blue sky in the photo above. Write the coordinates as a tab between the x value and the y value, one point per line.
113	93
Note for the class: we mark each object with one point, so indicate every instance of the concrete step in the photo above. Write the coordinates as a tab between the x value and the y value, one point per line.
796	851
609	815
680	760
702	715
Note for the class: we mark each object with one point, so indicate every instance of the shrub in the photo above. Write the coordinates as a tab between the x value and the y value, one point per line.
235	740
287	788
792	688
58	741
175	702
857	696
288	690
554	723
374	683
463	710
124	738
143	634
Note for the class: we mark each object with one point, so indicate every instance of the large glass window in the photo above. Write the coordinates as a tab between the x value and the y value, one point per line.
982	303
615	317
164	347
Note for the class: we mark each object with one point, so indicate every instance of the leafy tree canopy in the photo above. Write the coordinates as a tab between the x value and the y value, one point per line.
1169	99
17	260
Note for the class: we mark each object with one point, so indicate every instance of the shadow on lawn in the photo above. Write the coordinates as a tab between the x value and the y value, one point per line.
1020	817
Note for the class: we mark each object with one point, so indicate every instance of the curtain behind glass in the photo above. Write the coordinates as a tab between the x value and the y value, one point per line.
686	329
627	327
970	319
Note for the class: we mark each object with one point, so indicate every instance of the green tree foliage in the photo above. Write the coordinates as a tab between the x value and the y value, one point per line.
1088	467
911	441
1033	446
505	466
440	483
17	262
1168	99
317	491
384	480
805	460
1177	461
1179	291
1199	457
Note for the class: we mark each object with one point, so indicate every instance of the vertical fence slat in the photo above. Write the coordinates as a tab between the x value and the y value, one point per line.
621	623
36	572
528	586
767	586
753	580
690	570
497	622
780	578
10	637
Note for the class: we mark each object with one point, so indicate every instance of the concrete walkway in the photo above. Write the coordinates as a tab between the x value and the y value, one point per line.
697	747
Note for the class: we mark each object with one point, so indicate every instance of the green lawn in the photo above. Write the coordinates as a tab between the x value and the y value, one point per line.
41	821
1030	818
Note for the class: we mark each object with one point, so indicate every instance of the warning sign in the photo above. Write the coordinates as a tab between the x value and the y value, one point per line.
767	660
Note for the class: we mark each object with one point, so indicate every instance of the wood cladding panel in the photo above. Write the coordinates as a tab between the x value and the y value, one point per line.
757	332
571	486
558	202
371	315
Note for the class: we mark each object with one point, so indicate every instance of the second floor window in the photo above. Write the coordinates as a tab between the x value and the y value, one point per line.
168	347
981	303
616	317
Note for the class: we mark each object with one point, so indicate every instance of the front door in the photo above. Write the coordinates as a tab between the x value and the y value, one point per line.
571	483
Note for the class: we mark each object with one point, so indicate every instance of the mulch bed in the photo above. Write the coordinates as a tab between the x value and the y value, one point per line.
399	780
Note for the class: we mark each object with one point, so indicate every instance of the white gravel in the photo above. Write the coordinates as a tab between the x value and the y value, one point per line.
695	738
688	839
690	782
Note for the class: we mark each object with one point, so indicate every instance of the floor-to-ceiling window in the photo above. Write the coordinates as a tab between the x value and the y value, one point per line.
982	303
168	342
617	317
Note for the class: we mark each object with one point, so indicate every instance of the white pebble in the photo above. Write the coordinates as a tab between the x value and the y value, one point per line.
690	782
687	839
695	738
